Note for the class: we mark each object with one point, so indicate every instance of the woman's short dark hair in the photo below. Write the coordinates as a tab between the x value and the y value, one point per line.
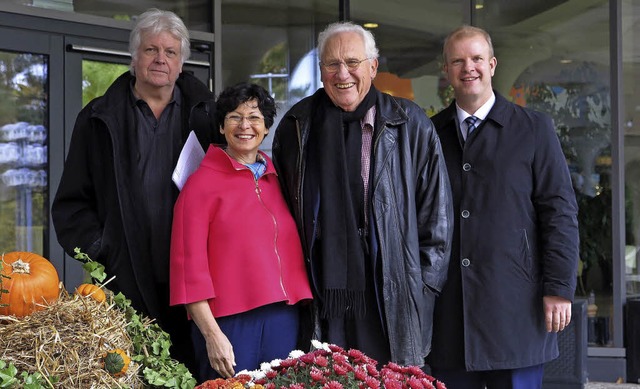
231	97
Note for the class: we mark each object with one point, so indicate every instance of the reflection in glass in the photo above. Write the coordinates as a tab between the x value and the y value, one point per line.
272	43
23	152
97	77
631	112
410	37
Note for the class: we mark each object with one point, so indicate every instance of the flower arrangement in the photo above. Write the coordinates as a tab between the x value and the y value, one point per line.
328	367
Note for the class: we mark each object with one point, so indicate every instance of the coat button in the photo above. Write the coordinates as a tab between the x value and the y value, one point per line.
466	167
466	262
465	214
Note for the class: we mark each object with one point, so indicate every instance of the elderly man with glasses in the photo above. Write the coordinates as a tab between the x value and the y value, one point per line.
364	176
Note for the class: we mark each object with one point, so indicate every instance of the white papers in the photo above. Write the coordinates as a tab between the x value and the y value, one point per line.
189	160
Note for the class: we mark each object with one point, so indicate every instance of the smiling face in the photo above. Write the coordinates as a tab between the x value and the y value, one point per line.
244	130
469	67
158	62
347	88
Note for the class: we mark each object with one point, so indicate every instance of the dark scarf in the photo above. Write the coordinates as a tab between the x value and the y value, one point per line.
334	165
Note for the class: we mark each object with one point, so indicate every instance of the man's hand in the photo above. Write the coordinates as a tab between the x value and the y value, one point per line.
557	313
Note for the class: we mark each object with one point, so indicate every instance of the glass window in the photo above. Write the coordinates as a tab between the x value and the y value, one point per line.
554	57
631	112
273	44
23	152
410	39
97	76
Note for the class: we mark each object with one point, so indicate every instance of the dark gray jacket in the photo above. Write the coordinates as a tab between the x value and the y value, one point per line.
411	209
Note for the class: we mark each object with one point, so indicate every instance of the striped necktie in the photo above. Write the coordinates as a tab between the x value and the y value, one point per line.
471	122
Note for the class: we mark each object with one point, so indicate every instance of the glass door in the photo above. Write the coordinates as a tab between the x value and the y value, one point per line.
23	151
26	126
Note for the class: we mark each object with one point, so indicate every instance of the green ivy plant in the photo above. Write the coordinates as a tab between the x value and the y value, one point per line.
150	343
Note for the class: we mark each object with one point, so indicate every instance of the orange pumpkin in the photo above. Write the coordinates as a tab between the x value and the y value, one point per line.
91	290
32	282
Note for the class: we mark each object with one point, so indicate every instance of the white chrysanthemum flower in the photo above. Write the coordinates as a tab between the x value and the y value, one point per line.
320	345
265	367
295	354
251	373
276	362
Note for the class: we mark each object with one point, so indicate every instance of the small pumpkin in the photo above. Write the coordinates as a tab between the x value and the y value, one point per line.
94	291
31	283
116	362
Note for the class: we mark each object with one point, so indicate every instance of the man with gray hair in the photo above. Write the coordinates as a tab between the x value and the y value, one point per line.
115	198
364	176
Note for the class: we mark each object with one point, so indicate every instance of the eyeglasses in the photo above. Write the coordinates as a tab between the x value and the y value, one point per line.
351	64
236	120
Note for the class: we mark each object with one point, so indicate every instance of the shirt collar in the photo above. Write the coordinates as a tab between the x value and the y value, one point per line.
481	113
369	117
176	96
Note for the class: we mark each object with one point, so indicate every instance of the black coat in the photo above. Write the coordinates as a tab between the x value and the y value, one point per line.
93	208
411	213
515	240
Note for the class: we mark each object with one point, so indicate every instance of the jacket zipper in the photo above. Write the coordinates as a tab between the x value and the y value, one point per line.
275	238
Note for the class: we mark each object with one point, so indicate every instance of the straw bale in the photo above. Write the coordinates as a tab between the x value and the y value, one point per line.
67	340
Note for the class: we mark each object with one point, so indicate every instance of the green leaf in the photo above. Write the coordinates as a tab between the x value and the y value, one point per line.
95	269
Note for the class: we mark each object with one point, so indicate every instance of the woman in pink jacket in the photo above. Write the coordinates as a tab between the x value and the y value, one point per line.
236	257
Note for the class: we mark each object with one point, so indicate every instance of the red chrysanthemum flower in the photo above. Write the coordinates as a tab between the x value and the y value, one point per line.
414	383
340	370
333	385
287	363
307	358
360	373
415	370
335	369
336	349
427	383
316	375
372	370
272	374
372	382
321	361
392	384
339	358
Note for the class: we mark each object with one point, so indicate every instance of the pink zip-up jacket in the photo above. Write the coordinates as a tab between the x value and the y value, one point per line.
234	242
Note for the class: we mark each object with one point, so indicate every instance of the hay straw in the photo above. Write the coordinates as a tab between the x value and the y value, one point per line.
67	340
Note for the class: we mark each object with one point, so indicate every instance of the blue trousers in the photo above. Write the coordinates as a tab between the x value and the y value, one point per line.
260	335
523	378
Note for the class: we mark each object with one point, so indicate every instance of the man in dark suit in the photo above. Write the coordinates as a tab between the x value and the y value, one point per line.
512	274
